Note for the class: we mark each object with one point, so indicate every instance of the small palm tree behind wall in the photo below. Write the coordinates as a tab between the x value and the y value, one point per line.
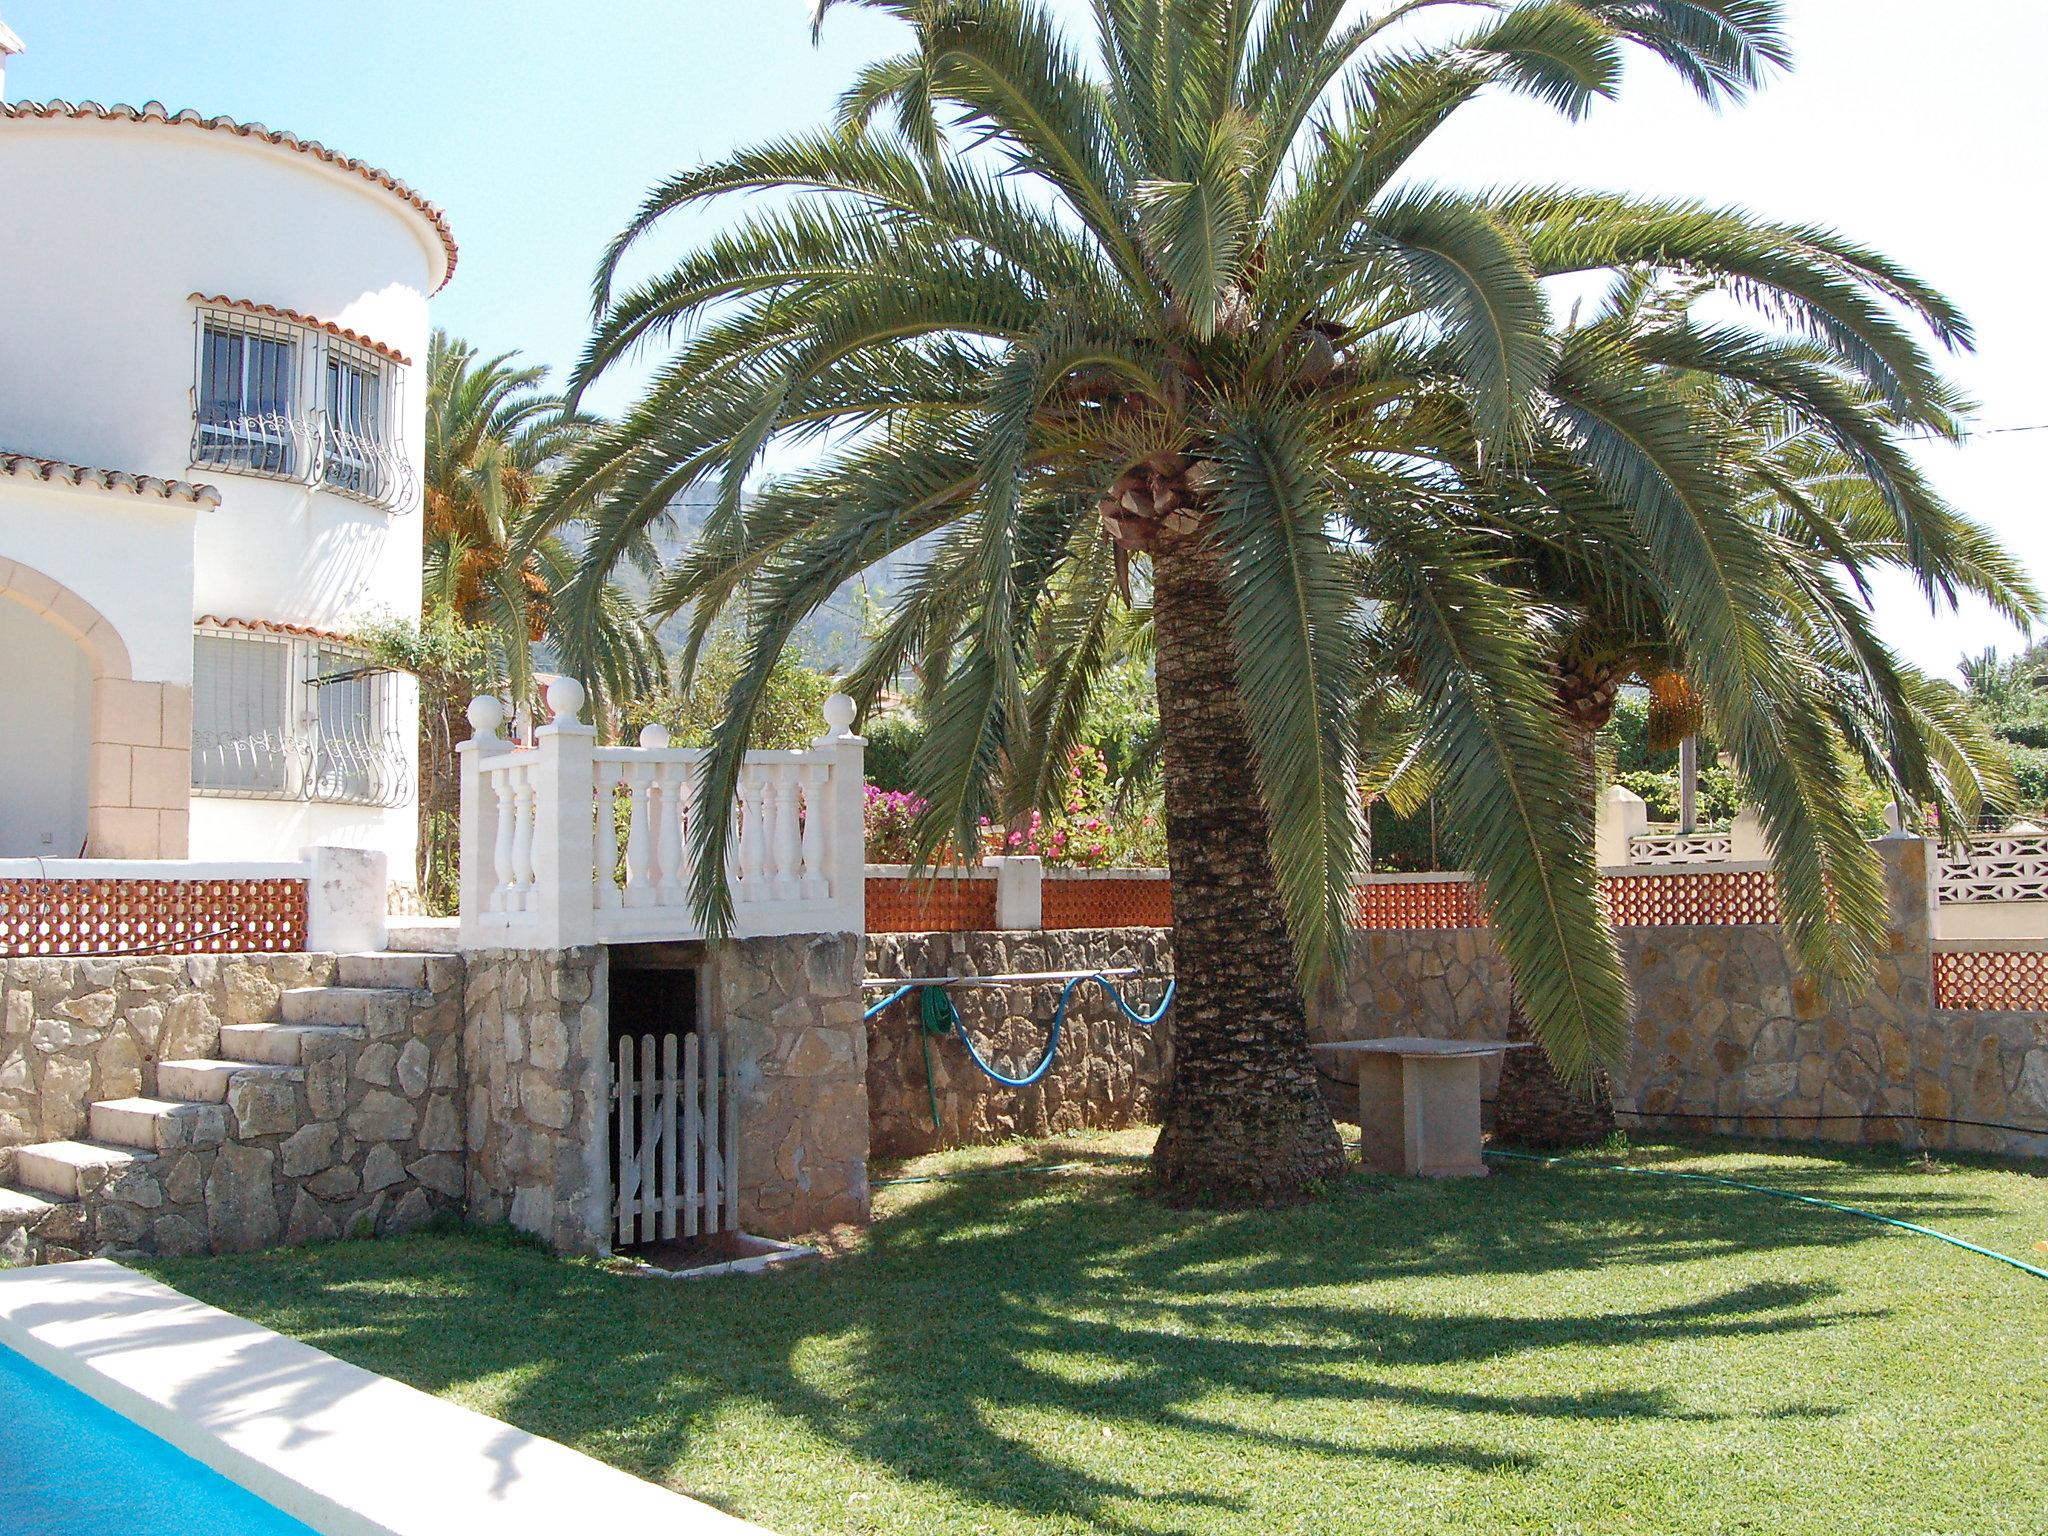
495	439
1161	307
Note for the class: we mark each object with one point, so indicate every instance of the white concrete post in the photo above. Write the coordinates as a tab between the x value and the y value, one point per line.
1623	815
847	858
564	841
347	898
1746	843
477	831
1020	892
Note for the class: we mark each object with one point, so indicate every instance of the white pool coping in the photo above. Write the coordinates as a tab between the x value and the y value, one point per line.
348	1452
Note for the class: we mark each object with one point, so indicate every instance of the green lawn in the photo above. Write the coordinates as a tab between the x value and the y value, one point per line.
1551	1349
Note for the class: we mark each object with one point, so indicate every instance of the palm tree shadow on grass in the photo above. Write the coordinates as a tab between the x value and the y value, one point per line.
1070	1297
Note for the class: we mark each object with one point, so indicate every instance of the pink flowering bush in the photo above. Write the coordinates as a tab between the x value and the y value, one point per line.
1083	834
891	814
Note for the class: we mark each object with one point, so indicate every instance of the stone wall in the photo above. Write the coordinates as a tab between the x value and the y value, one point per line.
1730	1037
1109	1070
789	1015
72	1031
535	1039
362	1137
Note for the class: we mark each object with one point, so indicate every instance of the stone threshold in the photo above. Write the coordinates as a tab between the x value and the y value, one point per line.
752	1256
348	1452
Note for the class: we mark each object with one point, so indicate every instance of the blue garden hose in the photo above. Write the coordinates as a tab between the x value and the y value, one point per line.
1783	1194
939	1016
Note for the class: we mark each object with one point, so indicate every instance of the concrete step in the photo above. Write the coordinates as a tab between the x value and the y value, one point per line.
201	1080
148	1125
273	1045
53	1167
424	935
345	1006
20	1208
383	970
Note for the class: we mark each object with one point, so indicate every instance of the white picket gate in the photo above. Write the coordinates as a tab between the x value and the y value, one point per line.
677	1124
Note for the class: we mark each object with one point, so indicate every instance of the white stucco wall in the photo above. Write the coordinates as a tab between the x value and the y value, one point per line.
129	556
46	704
275	829
106	230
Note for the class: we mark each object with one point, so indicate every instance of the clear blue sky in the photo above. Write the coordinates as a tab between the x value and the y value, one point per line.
1918	127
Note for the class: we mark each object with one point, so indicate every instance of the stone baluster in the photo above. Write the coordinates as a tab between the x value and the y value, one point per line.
671	809
815	851
524	809
782	825
639	835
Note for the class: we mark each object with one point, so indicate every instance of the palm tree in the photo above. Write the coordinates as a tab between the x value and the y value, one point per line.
495	438
1182	299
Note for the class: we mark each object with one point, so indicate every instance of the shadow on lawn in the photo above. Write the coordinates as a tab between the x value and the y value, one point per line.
1070	1296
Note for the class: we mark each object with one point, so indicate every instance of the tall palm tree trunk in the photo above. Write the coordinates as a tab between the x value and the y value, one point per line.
1244	1117
1532	1105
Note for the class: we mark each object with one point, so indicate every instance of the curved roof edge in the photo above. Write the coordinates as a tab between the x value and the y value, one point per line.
28	466
157	112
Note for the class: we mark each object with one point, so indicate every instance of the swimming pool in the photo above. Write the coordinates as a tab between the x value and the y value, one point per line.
70	1466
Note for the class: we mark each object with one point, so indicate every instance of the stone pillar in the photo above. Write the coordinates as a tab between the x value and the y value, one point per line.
139	796
536	1046
1623	815
564	838
347	897
789	1015
1020	892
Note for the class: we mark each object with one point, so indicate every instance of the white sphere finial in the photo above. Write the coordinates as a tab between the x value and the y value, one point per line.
486	716
565	700
654	734
839	713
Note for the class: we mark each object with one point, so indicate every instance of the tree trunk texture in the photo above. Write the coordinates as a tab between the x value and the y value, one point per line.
1244	1119
1532	1105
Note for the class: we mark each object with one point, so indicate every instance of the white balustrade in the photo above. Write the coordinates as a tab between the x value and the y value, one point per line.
1681	848
568	843
2006	867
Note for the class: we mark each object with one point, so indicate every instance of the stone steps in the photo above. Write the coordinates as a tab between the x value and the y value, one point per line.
19	1208
382	970
274	1045
213	1100
148	1125
345	1007
54	1167
202	1080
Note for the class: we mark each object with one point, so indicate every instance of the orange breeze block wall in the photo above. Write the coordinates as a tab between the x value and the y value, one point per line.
1106	903
1996	981
166	917
945	904
1728	897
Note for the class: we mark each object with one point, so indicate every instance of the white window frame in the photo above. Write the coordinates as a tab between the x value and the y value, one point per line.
277	734
361	457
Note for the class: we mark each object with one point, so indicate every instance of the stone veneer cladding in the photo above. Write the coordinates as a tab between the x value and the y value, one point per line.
362	1137
789	1010
535	1038
1109	1070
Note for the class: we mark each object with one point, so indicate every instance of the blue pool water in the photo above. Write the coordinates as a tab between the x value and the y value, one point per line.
71	1467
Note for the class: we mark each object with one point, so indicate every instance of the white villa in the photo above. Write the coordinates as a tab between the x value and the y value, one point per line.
212	422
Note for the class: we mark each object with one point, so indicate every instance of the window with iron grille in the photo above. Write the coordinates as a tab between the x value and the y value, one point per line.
289	717
294	402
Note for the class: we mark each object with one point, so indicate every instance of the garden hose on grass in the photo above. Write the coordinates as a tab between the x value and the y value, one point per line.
1781	1194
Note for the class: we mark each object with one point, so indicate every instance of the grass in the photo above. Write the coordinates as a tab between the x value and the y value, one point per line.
1555	1349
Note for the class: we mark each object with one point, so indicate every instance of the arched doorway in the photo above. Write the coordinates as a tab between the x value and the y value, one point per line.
104	762
46	748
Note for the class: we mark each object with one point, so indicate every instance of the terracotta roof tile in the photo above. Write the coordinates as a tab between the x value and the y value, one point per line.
25	466
156	112
274	627
250	306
